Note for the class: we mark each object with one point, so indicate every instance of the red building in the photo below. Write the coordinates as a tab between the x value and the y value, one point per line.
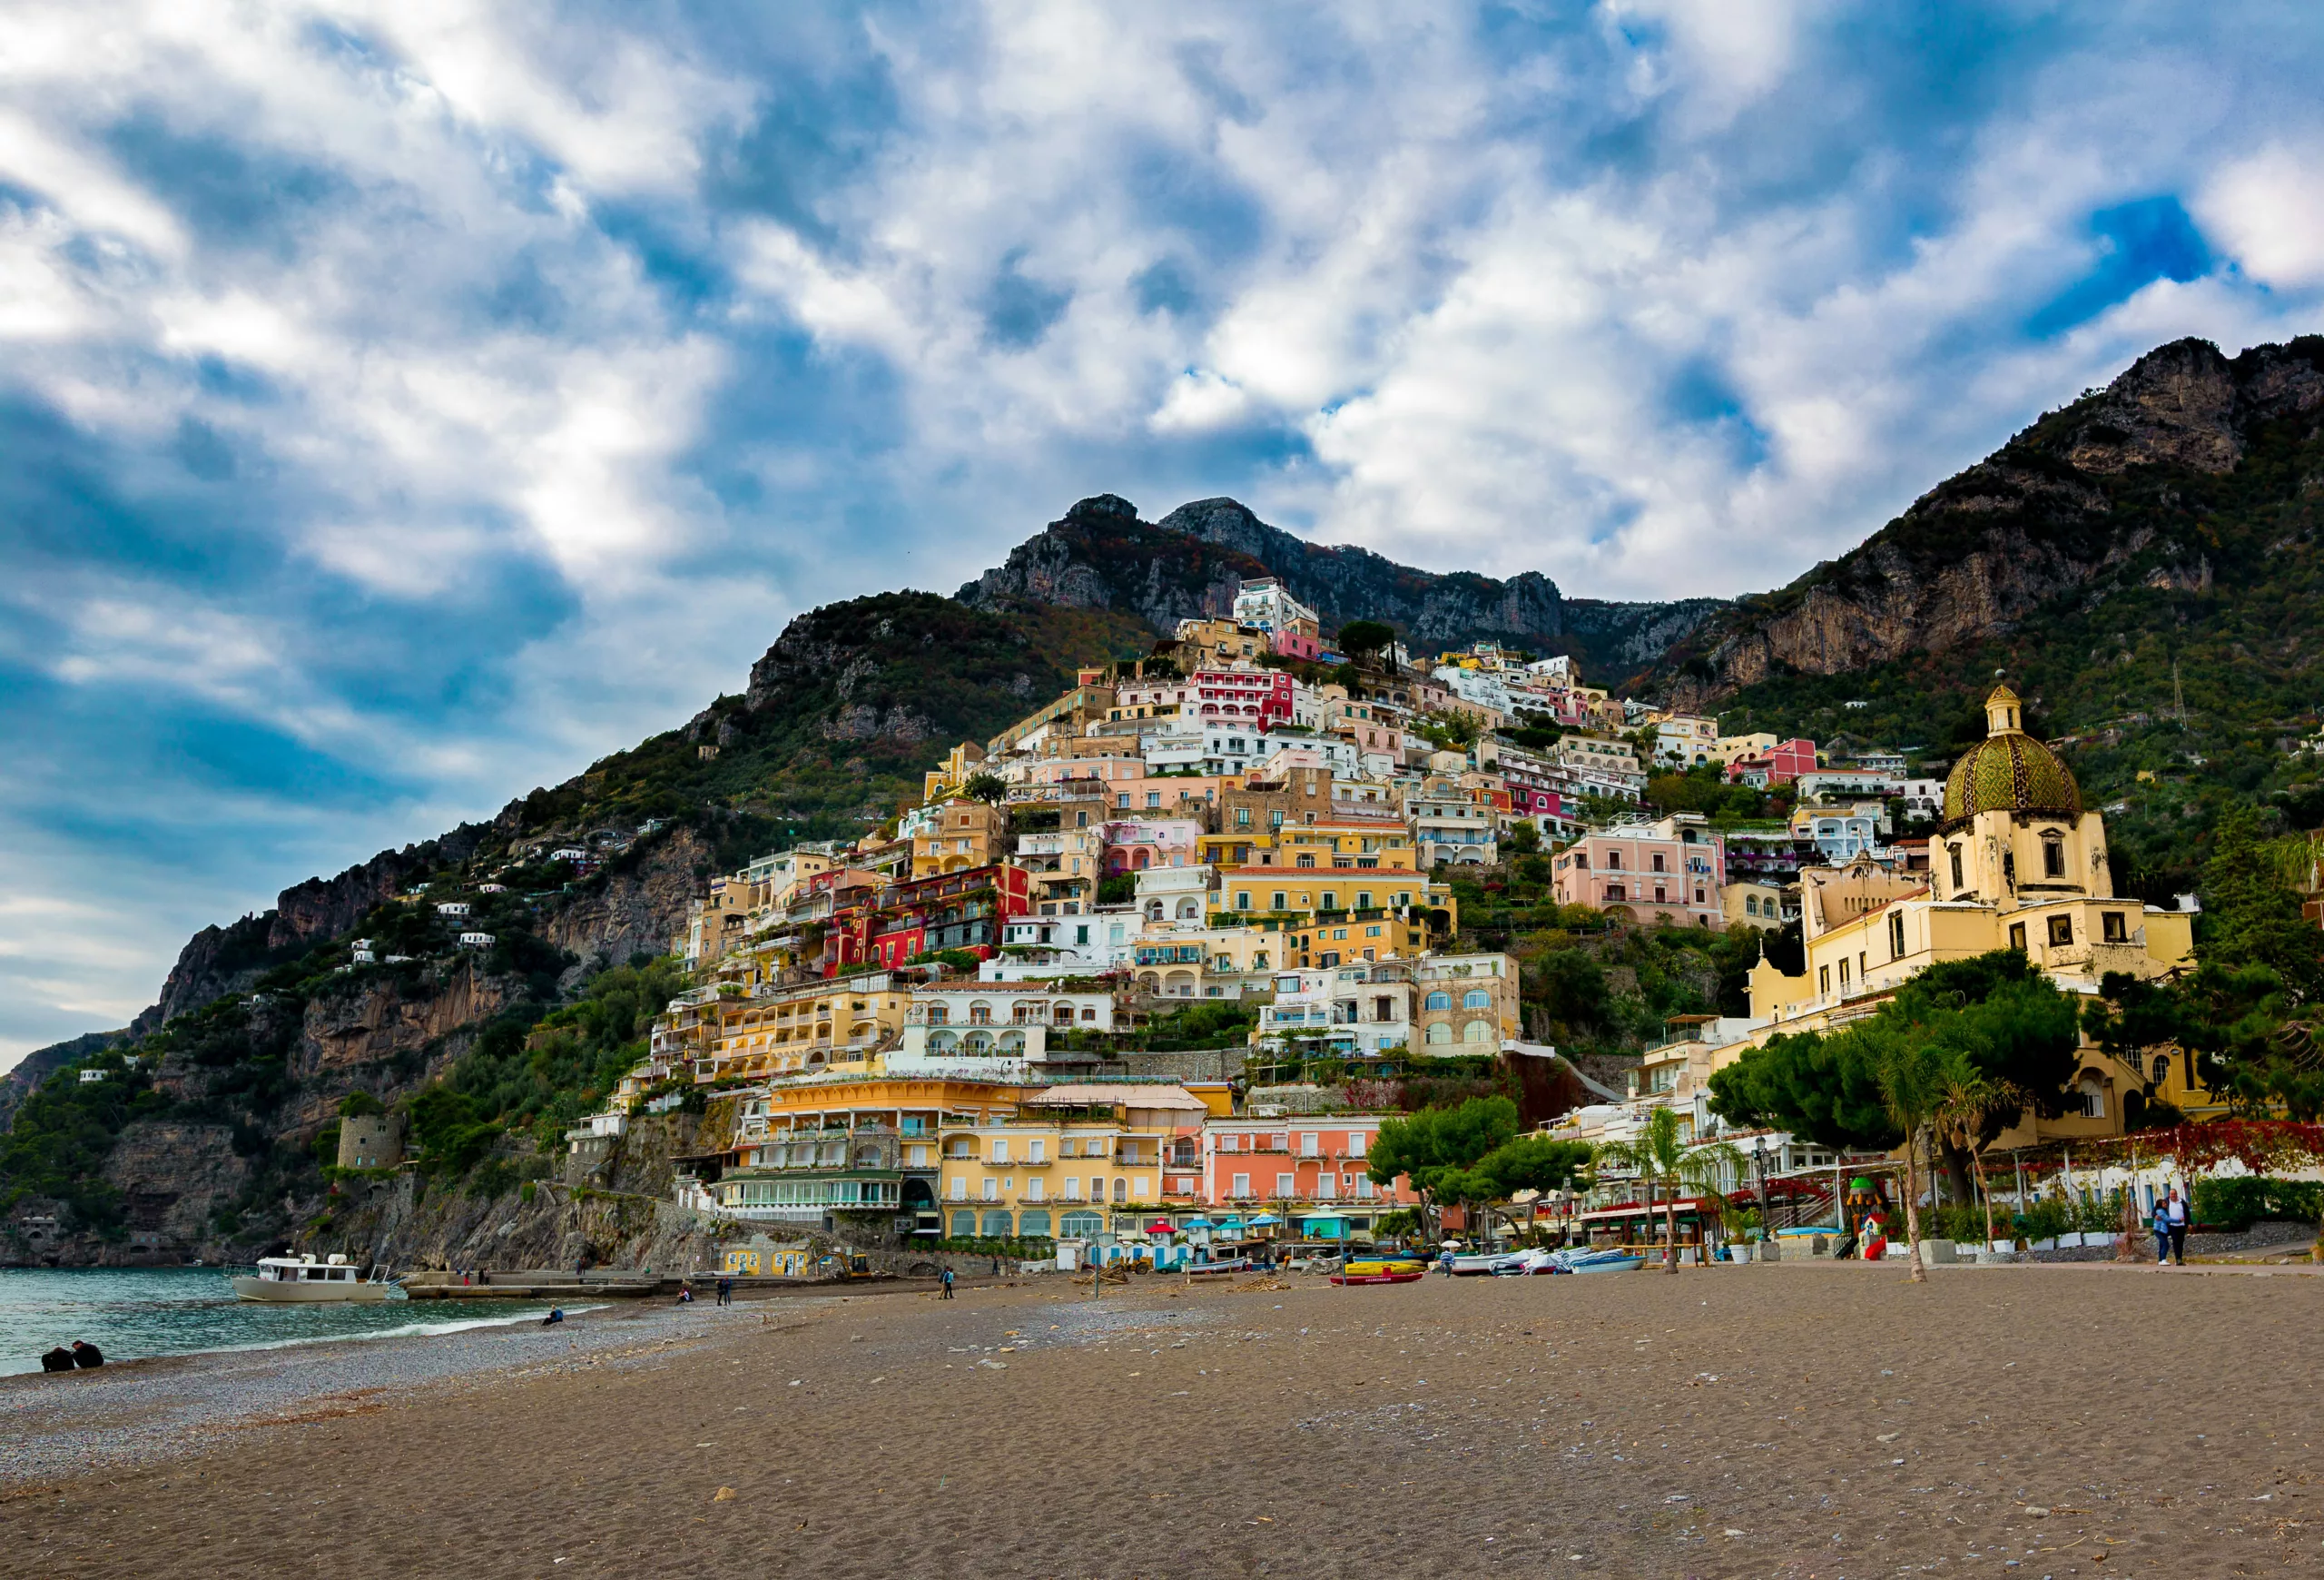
1780	766
962	910
1230	694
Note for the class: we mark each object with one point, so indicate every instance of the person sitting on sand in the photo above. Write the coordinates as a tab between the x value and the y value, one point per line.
685	1294
87	1355
57	1360
555	1315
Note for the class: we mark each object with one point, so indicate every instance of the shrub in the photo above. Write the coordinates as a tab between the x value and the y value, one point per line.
2235	1205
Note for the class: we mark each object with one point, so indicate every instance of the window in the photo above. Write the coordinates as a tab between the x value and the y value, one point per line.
1242	1187
2091	1096
1279	898
2114	928
1310	1144
1097	1188
1476	999
1033	1225
1823	979
1955	851
1356	1143
1438	1035
2161	1069
1080	1225
1657	860
2060	930
2054	858
1154	798
1896	935
964	1225
1036	1150
1033	1188
1477	1032
996	1225
1242	899
1286	1185
2017	936
991	1189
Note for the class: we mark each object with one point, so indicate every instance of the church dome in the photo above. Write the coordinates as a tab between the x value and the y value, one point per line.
2008	771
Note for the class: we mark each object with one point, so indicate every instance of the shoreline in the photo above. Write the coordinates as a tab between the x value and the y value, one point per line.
152	1409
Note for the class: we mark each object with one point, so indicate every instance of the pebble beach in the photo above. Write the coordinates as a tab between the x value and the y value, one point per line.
1788	1420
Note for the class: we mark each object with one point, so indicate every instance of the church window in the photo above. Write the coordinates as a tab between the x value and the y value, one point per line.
2054	858
2017	936
1896	935
2114	927
2060	930
1955	851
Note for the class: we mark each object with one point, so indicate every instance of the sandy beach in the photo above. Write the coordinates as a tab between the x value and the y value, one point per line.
1790	1420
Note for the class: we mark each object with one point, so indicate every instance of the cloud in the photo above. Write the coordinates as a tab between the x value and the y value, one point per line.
408	403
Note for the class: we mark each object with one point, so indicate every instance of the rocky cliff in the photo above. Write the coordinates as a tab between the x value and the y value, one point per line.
2082	500
1191	563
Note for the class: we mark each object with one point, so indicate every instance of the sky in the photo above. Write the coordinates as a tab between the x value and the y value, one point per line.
403	404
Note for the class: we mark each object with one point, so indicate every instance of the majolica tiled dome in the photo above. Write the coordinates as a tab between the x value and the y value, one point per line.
2008	771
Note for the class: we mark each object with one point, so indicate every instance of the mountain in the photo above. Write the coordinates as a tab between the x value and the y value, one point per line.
2114	492
1100	556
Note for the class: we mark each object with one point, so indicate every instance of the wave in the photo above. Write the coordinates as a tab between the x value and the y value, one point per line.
403	1331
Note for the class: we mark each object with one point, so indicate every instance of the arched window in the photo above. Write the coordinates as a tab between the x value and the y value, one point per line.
1189	909
964	1225
1079	1225
978	1042
996	1225
867	1157
1439	1000
1033	1225
1011	1043
1121	1190
1476	999
942	1041
1477	1032
1439	1034
2161	1069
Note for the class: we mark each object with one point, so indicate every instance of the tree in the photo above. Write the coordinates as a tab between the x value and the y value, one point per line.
1661	1158
1437	1148
985	787
1969	1099
1524	839
1534	1163
1809	1084
1358	637
1914	1071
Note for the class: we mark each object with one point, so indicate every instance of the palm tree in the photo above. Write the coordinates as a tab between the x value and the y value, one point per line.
1915	1073
1660	1157
1968	1099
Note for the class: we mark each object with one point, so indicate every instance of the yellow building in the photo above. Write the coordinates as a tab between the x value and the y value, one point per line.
965	834
961	764
811	1148
2017	864
765	1030
1221	642
1066	1159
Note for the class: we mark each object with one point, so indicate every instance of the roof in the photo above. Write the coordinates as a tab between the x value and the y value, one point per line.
2008	771
1081	1095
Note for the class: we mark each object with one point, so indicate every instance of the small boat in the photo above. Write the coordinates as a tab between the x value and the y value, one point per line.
1473	1264
1229	1265
1381	1268
1597	1261
1524	1264
302	1279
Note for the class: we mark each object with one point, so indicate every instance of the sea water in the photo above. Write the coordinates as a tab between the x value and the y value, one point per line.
133	1312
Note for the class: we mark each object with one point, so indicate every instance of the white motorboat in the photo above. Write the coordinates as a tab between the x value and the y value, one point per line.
298	1279
1471	1265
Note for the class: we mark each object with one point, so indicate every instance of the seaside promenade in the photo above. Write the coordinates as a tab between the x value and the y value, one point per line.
1788	1421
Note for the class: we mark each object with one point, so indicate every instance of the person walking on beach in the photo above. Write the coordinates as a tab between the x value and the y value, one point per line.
2177	1214
2162	1232
947	1281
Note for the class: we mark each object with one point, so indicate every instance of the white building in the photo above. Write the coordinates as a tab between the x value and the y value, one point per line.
1357	1010
476	941
992	1030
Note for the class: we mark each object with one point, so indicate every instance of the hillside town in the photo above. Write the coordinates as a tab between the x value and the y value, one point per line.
1119	979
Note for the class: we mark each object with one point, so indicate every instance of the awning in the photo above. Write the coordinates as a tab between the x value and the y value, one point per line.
1158	1227
1265	1221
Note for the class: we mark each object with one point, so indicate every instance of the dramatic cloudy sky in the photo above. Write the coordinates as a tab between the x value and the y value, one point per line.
402	403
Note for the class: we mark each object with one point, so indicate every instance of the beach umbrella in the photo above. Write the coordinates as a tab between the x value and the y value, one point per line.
1266	1221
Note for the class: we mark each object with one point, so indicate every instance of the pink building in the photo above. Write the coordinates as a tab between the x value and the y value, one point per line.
1229	693
1297	644
1780	766
1667	872
1169	842
1292	1165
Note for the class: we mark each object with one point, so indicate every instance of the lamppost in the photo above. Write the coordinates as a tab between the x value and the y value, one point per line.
1759	1156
